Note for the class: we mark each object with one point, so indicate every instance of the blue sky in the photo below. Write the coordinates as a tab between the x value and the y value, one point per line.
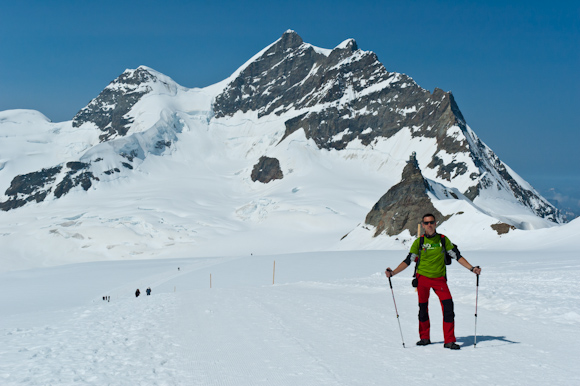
513	66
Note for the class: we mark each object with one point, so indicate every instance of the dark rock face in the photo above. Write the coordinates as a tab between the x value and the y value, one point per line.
77	174
404	205
490	164
108	110
361	98
266	170
36	186
29	187
502	228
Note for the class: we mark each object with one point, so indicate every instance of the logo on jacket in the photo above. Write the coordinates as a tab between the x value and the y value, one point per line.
432	246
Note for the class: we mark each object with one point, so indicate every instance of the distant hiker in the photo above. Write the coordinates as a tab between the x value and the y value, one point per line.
108	298
428	252
137	293
178	268
104	297
148	290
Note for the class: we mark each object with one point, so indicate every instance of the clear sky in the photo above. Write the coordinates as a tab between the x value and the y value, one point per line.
513	66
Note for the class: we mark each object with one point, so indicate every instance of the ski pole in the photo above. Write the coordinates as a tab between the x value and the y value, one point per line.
397	312
476	297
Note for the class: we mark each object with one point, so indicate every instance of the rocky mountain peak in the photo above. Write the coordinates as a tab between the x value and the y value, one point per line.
347	45
356	97
289	40
132	78
108	111
404	204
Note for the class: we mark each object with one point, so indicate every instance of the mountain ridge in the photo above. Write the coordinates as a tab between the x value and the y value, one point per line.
308	118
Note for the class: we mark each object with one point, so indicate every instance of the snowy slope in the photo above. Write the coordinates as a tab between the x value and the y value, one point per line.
329	319
30	141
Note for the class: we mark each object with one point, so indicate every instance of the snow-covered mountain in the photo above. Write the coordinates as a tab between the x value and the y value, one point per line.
292	152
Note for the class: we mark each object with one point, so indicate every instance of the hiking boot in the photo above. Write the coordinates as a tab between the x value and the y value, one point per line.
451	345
423	342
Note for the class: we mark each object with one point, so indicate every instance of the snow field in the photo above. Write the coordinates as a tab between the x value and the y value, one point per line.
328	320
106	344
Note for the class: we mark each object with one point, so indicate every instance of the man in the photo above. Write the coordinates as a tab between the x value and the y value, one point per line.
431	274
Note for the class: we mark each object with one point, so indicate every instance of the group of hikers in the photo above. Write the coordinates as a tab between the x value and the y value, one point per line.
148	291
137	293
429	253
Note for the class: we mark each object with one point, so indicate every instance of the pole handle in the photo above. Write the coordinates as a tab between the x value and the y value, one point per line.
388	277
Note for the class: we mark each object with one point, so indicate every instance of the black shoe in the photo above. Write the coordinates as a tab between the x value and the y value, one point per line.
452	346
423	342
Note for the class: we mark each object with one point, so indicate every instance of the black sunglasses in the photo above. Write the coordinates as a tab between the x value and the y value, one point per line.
428	222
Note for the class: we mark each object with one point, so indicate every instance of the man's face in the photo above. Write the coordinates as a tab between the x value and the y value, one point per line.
429	225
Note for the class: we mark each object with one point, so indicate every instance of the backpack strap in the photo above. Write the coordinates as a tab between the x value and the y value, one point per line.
421	241
446	257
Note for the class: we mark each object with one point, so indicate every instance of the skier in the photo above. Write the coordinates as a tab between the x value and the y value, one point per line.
137	293
431	274
148	290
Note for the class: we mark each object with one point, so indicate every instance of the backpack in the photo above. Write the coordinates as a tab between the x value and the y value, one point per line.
447	257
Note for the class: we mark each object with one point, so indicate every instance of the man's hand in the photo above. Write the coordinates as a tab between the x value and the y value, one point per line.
476	270
389	272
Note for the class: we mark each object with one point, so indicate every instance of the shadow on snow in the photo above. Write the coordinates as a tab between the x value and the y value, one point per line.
470	340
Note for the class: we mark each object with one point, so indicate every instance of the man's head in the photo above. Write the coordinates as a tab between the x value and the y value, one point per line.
429	223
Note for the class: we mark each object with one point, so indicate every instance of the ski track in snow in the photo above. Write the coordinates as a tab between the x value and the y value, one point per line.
328	320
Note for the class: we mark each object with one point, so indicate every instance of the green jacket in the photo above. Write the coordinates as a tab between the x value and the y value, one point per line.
432	257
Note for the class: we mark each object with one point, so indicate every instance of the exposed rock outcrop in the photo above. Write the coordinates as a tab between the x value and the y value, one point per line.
404	205
502	228
267	169
36	186
360	98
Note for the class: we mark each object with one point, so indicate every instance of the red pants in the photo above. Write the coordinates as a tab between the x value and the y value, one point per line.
439	285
